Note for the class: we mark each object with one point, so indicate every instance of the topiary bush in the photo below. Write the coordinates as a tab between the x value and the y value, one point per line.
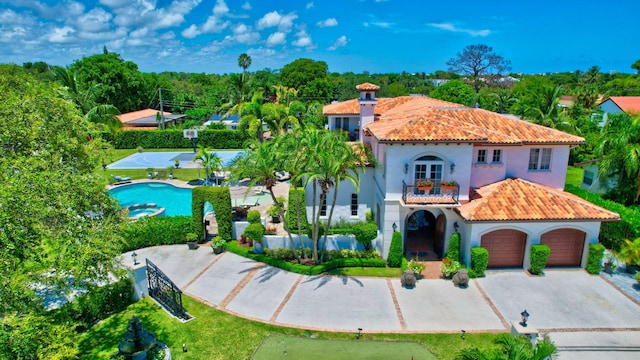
365	233
156	230
594	259
454	247
394	259
253	216
479	261
539	256
174	138
296	208
255	232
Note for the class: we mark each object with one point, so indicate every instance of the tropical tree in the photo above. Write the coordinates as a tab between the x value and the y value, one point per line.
619	152
260	164
454	91
512	348
548	113
251	116
211	162
636	66
244	61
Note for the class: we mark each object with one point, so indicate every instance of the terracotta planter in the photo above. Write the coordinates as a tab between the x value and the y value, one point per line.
425	188
447	187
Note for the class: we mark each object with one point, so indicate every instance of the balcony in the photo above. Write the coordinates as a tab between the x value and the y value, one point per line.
434	195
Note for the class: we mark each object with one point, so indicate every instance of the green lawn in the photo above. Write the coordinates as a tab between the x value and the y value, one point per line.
214	334
574	176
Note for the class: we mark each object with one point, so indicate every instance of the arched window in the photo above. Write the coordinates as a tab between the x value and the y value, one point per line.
428	167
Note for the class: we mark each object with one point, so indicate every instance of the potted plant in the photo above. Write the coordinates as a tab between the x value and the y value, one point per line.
610	263
177	163
170	170
417	267
191	239
217	244
139	149
150	173
424	185
243	239
449	267
448	185
630	254
255	232
273	212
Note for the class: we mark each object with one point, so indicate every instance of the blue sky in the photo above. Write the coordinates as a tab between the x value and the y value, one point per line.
350	35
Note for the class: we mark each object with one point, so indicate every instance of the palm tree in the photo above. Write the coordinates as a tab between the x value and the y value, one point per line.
211	162
244	61
251	116
547	112
619	151
512	348
260	165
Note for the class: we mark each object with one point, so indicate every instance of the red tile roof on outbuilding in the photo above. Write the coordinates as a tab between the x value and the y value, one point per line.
628	104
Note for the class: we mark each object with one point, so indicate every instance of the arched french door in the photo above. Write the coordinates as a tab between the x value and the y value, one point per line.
428	168
421	236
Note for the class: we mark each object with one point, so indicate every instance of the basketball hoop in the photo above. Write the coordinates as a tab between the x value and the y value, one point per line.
193	135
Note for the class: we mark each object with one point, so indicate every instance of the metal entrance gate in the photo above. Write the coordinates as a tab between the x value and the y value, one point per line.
164	291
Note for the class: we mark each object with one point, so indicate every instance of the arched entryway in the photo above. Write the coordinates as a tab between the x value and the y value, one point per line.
424	234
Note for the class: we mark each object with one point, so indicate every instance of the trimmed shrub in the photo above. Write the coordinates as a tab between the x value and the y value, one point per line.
479	261
253	217
220	199
173	138
539	255
454	247
255	232
369	216
156	230
594	259
612	233
287	254
394	259
97	304
234	247
365	233
296	207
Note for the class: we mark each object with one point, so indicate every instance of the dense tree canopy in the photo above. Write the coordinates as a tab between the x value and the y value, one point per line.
58	224
455	91
301	72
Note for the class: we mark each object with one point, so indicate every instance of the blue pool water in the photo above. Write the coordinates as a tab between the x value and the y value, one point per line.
175	200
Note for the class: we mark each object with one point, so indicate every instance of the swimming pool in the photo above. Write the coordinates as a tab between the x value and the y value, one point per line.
175	200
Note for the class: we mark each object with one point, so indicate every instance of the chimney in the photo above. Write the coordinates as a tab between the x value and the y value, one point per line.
367	103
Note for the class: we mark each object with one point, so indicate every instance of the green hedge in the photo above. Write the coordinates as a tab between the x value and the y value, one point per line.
156	230
253	217
594	259
479	261
288	255
235	248
394	259
539	256
292	213
173	138
612	234
97	304
220	199
454	247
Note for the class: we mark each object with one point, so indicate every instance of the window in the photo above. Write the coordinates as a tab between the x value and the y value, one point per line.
323	207
587	177
540	159
354	204
482	156
497	156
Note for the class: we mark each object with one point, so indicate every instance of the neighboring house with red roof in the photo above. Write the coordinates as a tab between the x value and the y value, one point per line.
146	119
618	104
508	177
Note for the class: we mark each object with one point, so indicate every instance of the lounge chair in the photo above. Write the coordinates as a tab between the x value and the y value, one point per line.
282	176
121	178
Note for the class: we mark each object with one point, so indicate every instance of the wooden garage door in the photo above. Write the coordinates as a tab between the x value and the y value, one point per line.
566	247
506	247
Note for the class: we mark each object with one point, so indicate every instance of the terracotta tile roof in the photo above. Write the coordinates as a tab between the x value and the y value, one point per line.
367	87
521	200
419	118
628	104
135	115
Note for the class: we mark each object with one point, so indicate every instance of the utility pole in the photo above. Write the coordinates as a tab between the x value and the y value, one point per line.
161	110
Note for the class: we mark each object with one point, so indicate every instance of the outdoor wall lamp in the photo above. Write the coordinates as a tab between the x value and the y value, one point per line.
395	227
134	256
456	226
525	317
453	167
406	168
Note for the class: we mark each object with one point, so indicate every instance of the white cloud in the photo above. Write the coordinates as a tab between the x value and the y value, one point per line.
309	5
220	9
340	42
61	35
304	40
190	32
10	17
327	22
115	3
244	34
96	20
277	38
246	6
214	25
283	22
453	28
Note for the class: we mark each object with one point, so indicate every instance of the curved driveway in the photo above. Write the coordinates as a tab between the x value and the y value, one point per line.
561	302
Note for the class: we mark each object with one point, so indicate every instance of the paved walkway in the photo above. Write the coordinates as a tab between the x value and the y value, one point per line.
569	304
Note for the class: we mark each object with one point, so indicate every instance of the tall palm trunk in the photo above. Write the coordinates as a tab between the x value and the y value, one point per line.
284	223
302	250
326	233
